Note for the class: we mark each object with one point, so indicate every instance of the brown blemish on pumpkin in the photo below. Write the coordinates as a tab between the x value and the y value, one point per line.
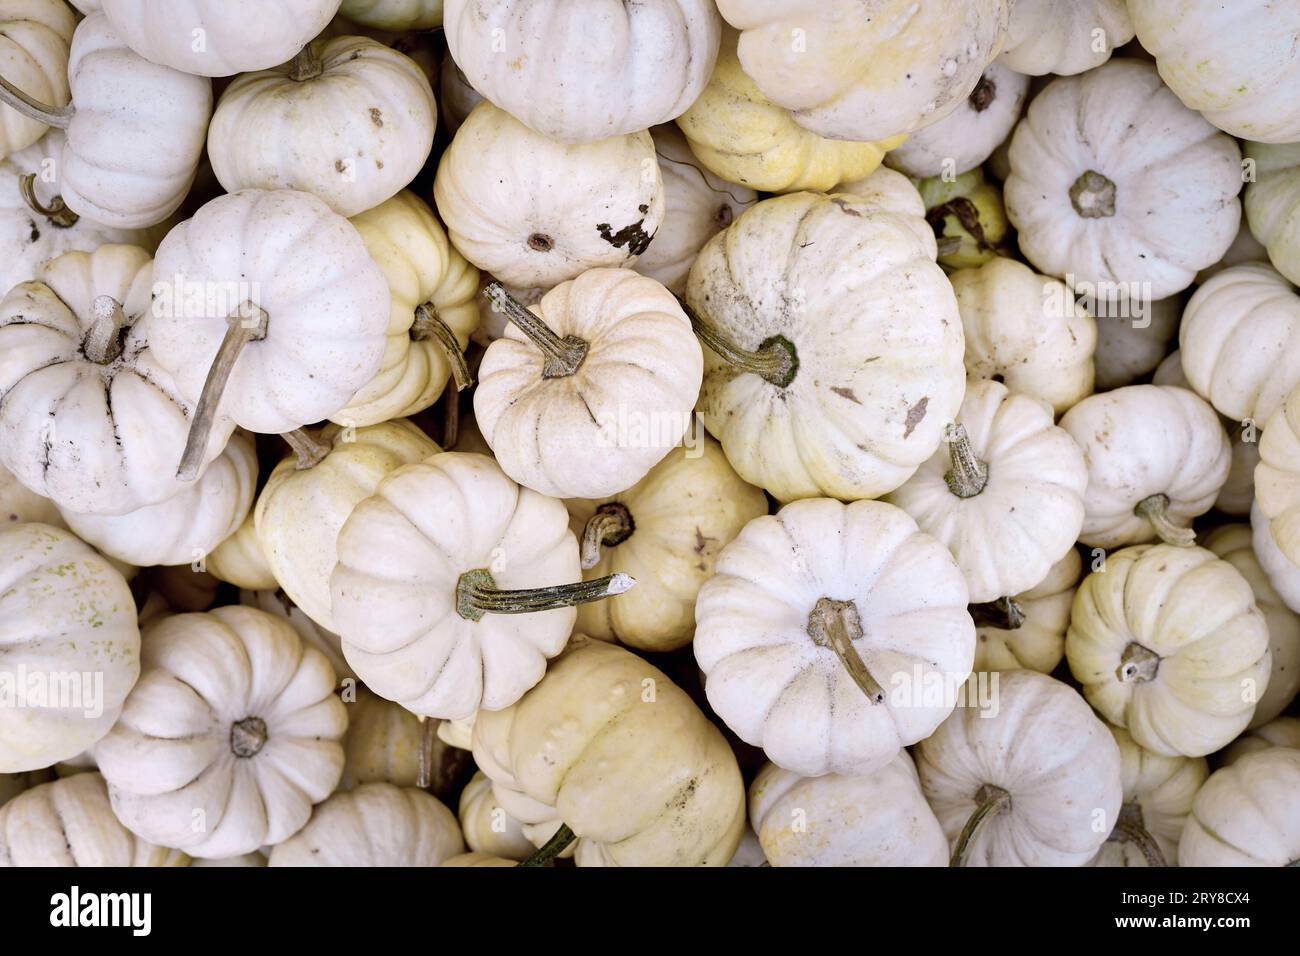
376	116
634	237
846	208
846	393
914	416
340	166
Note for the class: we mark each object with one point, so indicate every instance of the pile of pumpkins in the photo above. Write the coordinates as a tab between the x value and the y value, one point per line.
708	432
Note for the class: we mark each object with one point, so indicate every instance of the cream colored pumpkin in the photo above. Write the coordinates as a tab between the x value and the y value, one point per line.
427	588
1157	457
1237	63
1064	36
1169	644
1240	341
593	387
70	823
70	648
351	123
854	71
1232	543
665	531
740	135
300	511
968	216
1028	629
394	14
238	36
34	39
822	629
608	746
534	212
1129	347
182	529
1134	216
1040	766
1247	814
1004	492
434	311
487	827
375	825
88	417
581	73
698	206
240	559
229	738
384	743
1158	795
968	135
476	859
1282	574
839	374
1273	203
1279	732
1277	477
276	602
292	292
18	504
879	819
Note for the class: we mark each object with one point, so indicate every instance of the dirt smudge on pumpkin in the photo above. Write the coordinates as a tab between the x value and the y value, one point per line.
376	117
634	237
846	393
914	416
845	207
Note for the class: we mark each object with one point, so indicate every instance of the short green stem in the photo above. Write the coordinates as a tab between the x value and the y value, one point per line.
103	341
969	475
837	624
310	450
429	325
1005	614
562	357
57	212
775	360
1154	509
990	800
1131	828
1137	664
552	848
477	594
609	527
60	117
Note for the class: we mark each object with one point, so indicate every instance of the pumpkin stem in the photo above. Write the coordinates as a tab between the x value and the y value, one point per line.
837	624
1130	828
1153	509
246	324
1137	664
59	117
310	451
1005	614
306	65
477	594
450	415
968	215
428	735
56	212
775	360
552	848
985	92
248	737
103	341
969	475
563	356
991	800
429	325
611	525
1093	196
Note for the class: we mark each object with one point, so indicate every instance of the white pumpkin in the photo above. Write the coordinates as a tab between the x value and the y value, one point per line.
275	601
534	212
182	529
1128	347
852	71
18	504
878	819
1240	341
435	310
608	760
1277	477
1028	629
1273	203
1136	217
1064	36
1004	492
70	647
666	532
453	586
578	74
351	123
300	510
827	376
269	311
386	743
135	130
240	559
1279	732
1157	457
1245	248
698	205
1169	644
488	828
1026	783
1232	543
1237	63
822	630
218	37
70	823
968	135
1247	814
457	733
231	735
375	825
34	39
590	389
88	416
1282	574
1158	795
397	15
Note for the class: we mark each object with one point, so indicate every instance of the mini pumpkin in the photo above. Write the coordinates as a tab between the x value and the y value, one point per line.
487	827
1247	814
823	659
1282	574
1277	476
276	602
397	15
1273	203
1064	36
1169	644
240	560
968	217
1028	629
34	39
386	743
1279	732
229	738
